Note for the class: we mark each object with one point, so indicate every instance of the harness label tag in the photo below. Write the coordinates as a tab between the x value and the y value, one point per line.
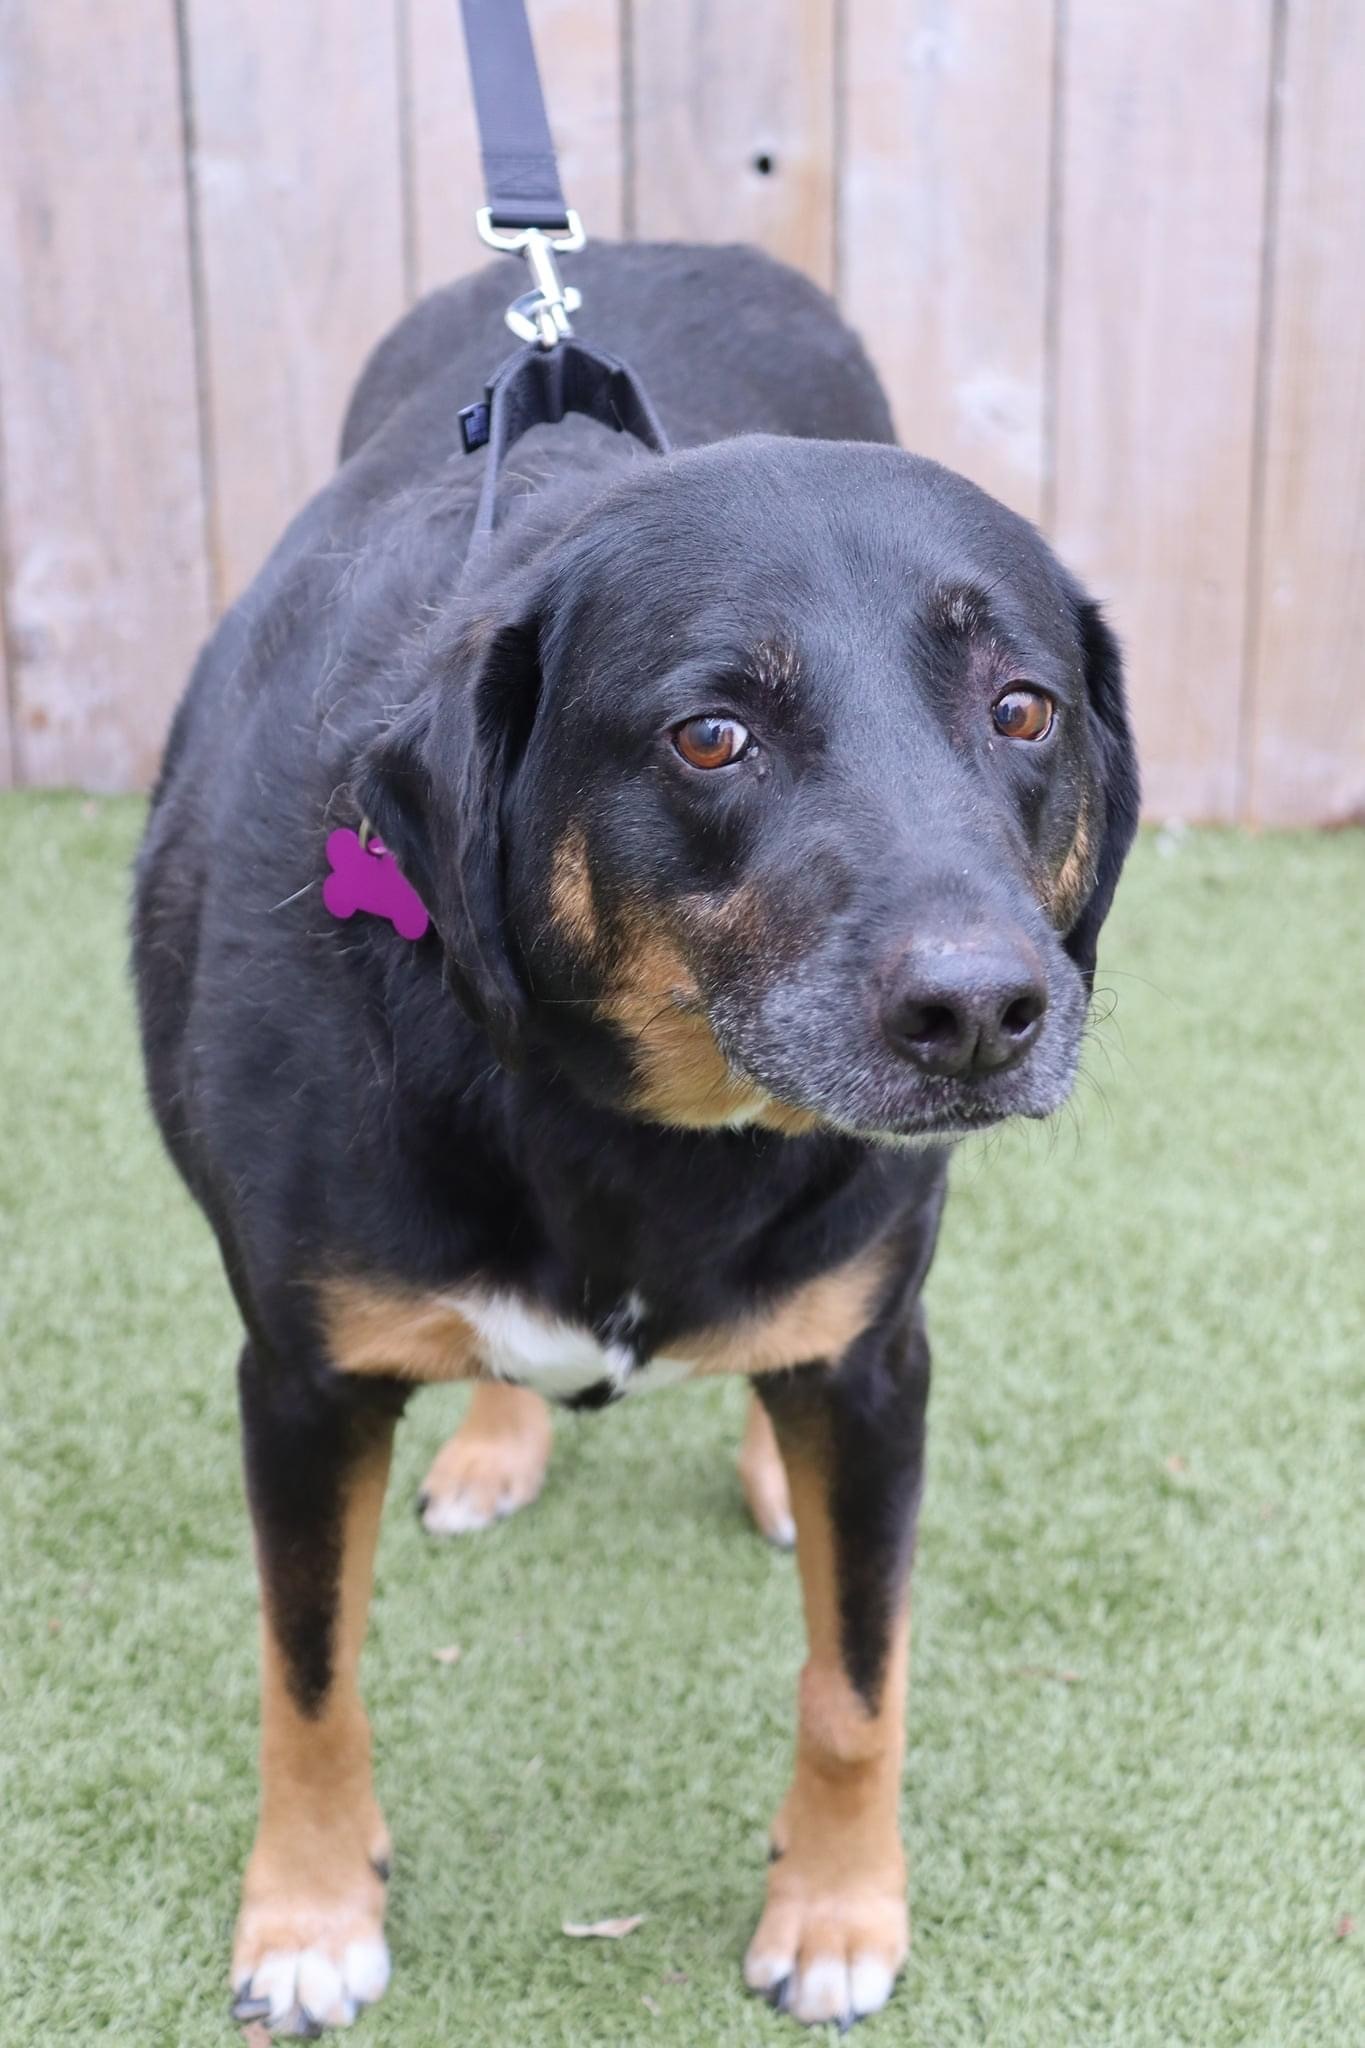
474	425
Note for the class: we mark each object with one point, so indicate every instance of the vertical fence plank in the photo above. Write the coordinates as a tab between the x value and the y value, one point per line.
578	46
6	740
943	226
1307	754
103	490
298	181
1162	183
441	147
734	112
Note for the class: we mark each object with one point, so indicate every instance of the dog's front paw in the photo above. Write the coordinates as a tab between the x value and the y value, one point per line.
305	1958
494	1464
822	1954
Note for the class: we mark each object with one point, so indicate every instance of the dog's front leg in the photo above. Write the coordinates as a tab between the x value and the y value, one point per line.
309	1948
835	1930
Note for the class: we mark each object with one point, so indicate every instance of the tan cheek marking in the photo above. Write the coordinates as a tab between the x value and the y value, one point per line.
748	921
311	1879
786	1118
818	1320
685	1079
1071	884
734	916
395	1332
684	1076
571	901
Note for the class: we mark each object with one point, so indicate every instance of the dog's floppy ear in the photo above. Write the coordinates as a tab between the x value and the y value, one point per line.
433	788
1116	769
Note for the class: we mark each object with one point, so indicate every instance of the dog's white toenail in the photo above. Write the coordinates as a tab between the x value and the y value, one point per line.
762	1972
318	1986
454	1515
822	1993
274	1980
870	1984
365	1967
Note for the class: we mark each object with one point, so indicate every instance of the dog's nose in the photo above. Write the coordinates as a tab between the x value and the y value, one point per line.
965	1010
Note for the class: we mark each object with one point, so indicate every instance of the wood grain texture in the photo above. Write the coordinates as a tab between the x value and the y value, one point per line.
1162	170
6	736
578	47
1307	727
298	182
718	90
103	493
1102	268
943	226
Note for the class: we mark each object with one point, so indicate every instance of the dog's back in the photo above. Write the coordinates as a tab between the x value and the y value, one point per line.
726	340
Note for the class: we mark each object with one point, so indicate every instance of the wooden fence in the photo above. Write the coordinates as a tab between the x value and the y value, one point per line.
1109	256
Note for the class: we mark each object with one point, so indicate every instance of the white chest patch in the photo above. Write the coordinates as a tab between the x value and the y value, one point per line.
561	1359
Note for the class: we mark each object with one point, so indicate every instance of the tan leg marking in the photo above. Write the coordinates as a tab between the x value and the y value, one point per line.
763	1477
835	1929
310	1933
494	1464
397	1332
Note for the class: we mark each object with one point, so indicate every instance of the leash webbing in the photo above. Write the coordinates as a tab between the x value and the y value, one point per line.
520	173
526	214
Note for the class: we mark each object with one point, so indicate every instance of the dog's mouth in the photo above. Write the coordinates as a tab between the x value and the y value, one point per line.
862	1092
941	1123
946	1126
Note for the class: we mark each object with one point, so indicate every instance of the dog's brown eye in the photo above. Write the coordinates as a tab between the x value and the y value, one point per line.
710	742
1023	715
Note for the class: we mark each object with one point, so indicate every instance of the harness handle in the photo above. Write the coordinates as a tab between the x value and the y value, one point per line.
526	213
538	387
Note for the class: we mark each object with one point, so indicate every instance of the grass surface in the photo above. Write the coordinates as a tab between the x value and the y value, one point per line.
1135	1793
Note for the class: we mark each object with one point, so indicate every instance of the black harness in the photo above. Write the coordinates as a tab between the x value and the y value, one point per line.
554	373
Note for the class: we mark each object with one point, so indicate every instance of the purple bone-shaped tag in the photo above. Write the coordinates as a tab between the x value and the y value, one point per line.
365	878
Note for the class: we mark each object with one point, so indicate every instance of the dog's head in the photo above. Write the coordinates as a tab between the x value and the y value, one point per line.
791	787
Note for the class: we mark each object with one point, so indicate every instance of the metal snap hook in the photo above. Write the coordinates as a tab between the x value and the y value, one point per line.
542	314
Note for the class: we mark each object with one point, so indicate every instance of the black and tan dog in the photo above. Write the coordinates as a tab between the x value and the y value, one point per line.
767	799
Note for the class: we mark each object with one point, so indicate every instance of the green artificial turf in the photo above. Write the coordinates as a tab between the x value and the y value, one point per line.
1135	1790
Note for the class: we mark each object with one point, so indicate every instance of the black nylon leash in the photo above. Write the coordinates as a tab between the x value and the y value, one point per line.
520	173
555	373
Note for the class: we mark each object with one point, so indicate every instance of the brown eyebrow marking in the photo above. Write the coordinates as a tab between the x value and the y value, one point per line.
959	608
776	665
